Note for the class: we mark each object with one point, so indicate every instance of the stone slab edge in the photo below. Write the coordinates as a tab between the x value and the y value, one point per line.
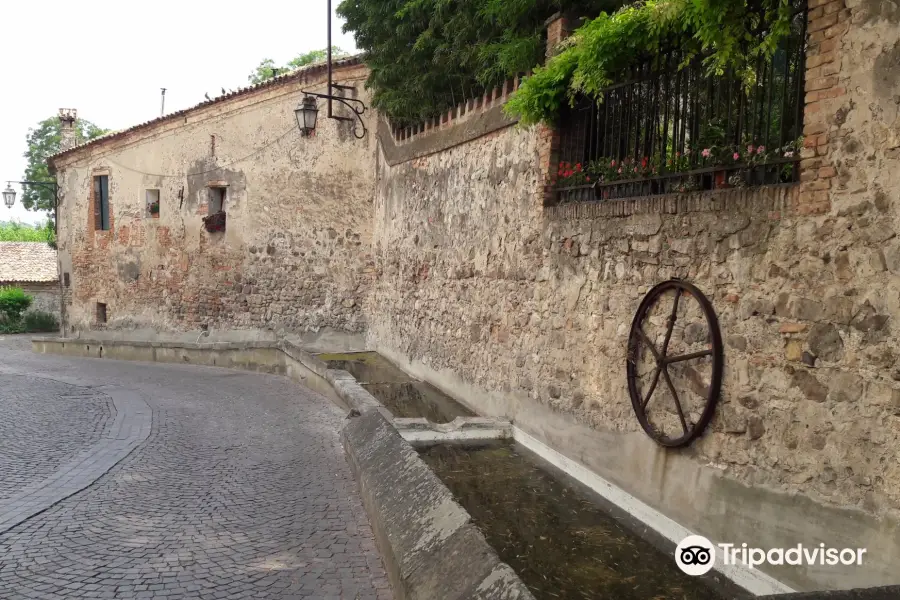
880	593
430	547
343	383
249	345
130	428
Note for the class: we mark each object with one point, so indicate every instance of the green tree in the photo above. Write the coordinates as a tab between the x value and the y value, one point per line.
20	232
267	69
425	56
43	142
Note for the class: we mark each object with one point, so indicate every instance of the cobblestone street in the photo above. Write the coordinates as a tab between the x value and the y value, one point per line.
135	480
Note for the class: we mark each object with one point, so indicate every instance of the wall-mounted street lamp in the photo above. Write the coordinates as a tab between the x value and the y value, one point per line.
307	111
9	194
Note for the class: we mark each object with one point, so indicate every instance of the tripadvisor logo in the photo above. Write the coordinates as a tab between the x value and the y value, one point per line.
696	555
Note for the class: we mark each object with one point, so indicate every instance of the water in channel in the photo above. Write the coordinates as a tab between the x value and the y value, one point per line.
403	396
554	535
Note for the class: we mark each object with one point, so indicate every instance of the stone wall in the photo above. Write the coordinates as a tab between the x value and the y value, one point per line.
524	311
295	255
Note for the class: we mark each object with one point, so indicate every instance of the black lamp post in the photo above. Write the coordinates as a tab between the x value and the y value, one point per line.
307	111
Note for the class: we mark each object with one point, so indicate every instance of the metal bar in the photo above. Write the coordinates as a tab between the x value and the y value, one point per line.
665	129
329	61
801	70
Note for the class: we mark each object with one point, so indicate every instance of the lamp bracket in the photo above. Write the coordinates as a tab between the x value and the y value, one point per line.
357	106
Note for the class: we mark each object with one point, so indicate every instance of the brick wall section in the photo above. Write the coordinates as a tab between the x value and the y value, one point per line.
827	22
558	28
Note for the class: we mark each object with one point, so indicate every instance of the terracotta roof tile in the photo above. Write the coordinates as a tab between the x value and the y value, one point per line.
349	61
27	261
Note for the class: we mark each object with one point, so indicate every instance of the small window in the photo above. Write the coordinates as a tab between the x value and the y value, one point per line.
217	199
101	202
152	199
66	279
101	312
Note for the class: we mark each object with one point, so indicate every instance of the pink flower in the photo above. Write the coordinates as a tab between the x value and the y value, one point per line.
612	163
761	149
788	154
736	156
635	169
620	169
706	153
750	149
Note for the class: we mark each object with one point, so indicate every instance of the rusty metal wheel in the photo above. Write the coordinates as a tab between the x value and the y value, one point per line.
674	363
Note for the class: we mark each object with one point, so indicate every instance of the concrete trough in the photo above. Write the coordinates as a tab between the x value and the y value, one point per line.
430	547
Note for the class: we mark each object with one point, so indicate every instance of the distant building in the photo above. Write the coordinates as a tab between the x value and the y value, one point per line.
32	267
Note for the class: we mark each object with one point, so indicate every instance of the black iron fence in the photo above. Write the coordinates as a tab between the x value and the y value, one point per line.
666	129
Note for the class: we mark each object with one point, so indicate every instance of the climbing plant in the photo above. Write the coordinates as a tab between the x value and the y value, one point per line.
729	34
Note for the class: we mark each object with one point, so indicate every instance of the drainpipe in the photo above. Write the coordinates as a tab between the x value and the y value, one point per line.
68	140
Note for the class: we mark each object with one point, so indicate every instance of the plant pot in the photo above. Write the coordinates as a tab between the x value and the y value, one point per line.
721	179
215	222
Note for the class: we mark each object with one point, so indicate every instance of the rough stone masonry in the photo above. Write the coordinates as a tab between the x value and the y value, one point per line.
440	246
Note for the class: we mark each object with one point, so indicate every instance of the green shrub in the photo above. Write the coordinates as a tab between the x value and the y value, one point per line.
7	327
38	321
13	302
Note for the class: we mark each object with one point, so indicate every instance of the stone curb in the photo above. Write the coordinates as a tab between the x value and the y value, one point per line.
430	547
880	593
130	428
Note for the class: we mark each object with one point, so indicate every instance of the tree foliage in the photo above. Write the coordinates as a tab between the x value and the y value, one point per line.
43	142
729	34
425	56
267	69
19	232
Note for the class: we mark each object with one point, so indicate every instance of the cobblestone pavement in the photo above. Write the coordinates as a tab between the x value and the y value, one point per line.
241	489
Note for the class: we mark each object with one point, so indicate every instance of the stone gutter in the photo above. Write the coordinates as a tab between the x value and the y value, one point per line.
429	544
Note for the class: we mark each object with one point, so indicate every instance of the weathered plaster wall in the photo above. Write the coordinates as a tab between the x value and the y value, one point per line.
296	253
524	312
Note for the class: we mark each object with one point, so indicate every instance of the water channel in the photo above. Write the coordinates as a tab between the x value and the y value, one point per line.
557	535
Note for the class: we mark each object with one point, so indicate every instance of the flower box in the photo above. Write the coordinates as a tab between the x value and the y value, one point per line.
215	222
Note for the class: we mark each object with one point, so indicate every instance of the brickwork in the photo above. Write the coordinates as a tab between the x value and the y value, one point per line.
465	111
827	22
558	28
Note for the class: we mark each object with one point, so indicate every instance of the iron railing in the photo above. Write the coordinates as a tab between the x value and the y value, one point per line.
669	127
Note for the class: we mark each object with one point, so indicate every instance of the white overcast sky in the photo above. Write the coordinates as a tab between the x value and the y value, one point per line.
109	59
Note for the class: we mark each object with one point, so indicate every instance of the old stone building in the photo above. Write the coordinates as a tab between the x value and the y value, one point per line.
295	250
436	242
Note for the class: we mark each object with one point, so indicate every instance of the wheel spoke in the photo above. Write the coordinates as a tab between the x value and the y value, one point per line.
652	388
648	342
675	397
682	357
671	325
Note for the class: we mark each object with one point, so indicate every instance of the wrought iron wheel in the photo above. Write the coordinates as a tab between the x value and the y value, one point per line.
674	363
